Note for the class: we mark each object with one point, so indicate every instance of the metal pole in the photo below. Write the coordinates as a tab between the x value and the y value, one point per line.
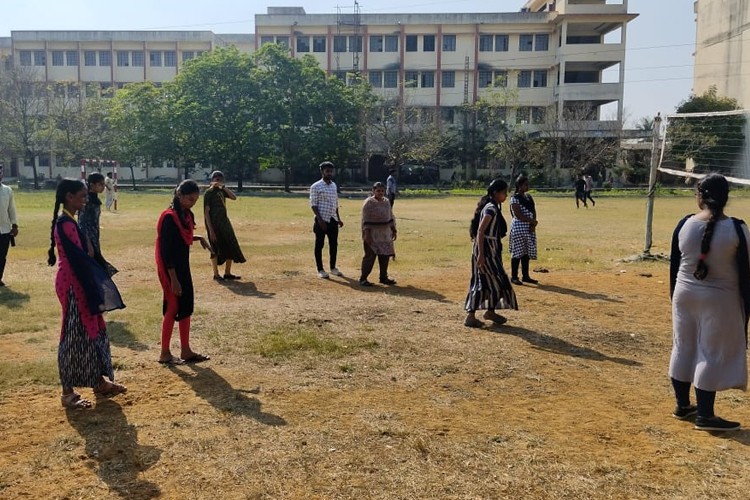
652	184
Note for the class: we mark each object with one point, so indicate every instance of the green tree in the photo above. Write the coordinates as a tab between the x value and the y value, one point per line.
139	119
713	143
27	128
215	103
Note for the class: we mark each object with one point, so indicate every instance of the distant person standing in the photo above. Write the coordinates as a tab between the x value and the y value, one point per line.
324	202
88	220
225	249
390	188
378	234
522	232
710	291
589	186
109	187
8	223
580	187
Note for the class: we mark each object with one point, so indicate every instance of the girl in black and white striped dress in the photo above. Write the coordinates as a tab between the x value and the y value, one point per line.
490	287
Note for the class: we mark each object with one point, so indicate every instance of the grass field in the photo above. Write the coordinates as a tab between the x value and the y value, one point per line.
321	389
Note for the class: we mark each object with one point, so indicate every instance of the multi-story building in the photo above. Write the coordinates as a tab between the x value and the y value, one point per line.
721	42
555	54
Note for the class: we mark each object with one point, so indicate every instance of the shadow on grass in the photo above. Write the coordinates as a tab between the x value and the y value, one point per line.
246	289
576	293
212	387
397	290
741	436
11	299
121	336
112	443
548	343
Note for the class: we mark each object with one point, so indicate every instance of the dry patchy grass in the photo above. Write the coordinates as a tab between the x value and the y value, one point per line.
320	389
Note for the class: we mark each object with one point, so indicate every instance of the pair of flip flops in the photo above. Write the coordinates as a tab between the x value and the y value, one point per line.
175	361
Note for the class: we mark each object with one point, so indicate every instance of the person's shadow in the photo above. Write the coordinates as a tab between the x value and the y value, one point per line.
112	446
548	343
212	387
11	299
576	293
398	290
246	289
741	436
120	335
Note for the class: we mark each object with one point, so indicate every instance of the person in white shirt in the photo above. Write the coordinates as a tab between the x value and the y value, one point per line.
109	187
8	223
324	202
390	188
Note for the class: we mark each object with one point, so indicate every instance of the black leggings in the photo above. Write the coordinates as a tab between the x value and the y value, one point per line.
524	261
704	399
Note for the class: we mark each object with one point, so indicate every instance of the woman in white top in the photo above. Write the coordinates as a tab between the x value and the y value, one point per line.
709	285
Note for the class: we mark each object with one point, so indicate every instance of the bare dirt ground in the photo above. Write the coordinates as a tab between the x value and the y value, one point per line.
392	398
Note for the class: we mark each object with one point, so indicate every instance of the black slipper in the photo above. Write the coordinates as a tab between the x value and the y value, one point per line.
231	277
196	358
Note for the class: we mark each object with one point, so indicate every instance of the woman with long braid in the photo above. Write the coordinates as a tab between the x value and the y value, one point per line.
174	236
709	278
85	292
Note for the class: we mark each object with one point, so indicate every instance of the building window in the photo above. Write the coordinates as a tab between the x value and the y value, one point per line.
485	79
105	58
339	43
265	39
448	79
24	57
40	58
411	43
341	75
154	58
526	43
541	43
376	43
355	43
411	79
74	90
524	78
71	57
427	115
319	44
427	79
376	79
540	78
538	115
89	58
303	44
283	41
523	115
501	79
391	43
449	43
137	58
107	89
123	58
58	58
187	55
92	88
501	43
428	43
447	115
390	79
485	43
170	58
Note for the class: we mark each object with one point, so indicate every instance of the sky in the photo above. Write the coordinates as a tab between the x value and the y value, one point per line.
658	64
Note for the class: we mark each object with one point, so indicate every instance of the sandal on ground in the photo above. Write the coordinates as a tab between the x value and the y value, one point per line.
495	318
196	358
74	401
230	276
473	323
107	389
172	361
218	277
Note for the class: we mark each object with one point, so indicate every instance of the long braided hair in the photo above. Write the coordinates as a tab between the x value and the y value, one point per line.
495	186
713	192
63	188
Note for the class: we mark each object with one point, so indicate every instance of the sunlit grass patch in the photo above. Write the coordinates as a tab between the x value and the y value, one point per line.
14	374
284	342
